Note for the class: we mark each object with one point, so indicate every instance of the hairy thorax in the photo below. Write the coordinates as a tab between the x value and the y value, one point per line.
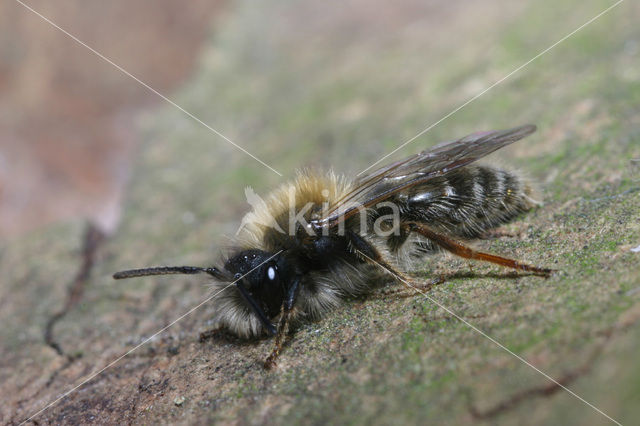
288	208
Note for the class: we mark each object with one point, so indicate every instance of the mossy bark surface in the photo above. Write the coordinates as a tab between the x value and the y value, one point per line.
276	81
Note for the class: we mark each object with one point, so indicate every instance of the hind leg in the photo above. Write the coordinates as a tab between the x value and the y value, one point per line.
462	250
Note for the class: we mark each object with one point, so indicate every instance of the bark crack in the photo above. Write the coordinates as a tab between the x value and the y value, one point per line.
92	240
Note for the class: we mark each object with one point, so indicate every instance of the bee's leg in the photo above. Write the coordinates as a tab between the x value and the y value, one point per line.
368	252
283	327
218	333
371	255
403	292
462	250
283	324
209	334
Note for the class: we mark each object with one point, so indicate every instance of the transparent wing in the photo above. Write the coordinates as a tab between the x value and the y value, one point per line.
419	168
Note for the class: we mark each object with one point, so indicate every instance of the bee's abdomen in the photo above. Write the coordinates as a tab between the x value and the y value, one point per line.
468	201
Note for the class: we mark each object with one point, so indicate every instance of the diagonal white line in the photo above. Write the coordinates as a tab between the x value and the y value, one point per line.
275	171
145	85
500	345
145	341
493	85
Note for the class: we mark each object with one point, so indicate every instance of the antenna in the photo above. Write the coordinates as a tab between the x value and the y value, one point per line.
170	270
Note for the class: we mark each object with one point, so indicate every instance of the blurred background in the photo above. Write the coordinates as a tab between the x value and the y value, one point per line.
68	118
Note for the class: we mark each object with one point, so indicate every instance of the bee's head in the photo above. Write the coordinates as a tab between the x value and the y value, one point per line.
257	265
265	278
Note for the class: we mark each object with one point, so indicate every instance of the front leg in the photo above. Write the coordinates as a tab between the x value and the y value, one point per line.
283	324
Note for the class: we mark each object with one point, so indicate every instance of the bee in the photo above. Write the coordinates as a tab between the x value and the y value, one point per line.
324	238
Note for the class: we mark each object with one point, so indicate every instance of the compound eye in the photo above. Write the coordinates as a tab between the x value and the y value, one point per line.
271	273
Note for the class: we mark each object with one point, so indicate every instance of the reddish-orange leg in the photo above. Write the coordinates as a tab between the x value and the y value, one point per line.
467	252
283	325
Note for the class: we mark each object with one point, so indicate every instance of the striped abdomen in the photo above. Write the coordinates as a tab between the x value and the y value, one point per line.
466	202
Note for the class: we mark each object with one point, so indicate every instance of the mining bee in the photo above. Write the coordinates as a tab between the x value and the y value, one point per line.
325	238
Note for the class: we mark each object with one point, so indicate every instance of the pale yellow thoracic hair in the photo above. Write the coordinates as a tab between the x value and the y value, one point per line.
321	189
